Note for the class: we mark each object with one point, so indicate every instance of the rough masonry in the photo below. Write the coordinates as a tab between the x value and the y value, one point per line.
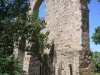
68	23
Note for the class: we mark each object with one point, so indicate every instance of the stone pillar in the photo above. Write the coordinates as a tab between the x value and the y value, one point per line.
18	49
68	23
26	63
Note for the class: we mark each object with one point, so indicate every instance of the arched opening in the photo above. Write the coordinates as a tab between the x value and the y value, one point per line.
42	10
34	63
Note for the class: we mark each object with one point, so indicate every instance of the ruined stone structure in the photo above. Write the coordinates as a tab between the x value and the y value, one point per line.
68	23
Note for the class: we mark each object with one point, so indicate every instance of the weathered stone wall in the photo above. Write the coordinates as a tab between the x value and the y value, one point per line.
64	20
68	23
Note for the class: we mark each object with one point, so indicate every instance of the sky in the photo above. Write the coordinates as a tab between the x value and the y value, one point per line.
94	20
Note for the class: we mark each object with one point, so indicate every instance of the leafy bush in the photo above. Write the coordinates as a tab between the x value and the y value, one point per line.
96	59
9	65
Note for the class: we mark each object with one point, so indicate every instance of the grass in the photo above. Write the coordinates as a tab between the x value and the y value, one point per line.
97	74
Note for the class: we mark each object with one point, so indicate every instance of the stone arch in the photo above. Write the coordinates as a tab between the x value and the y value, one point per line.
34	5
37	4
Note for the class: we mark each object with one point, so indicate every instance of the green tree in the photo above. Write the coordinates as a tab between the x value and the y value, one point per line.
33	33
14	23
9	10
96	35
96	59
9	65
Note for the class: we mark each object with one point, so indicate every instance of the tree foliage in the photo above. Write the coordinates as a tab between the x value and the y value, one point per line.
96	35
37	41
9	11
9	65
14	23
96	59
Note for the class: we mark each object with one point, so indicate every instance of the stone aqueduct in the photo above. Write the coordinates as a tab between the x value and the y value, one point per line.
68	23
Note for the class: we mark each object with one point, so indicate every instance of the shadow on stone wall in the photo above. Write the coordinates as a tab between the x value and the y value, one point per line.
60	69
47	67
34	66
86	63
48	64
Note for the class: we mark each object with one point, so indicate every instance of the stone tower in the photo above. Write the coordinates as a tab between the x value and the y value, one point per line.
68	23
